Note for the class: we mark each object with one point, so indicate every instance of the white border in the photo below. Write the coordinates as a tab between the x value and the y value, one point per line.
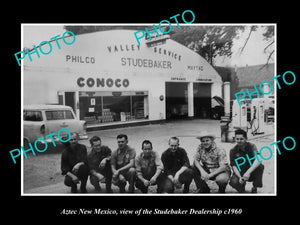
138	194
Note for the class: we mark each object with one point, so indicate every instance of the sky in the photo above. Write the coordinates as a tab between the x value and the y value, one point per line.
35	34
252	55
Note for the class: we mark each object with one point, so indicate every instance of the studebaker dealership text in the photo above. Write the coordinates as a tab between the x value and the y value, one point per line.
146	63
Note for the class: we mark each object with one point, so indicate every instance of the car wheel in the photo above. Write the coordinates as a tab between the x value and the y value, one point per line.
40	146
215	115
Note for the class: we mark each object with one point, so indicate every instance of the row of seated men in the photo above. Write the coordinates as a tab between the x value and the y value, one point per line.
169	172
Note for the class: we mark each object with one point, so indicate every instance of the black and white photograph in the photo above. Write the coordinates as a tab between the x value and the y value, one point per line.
114	109
183	113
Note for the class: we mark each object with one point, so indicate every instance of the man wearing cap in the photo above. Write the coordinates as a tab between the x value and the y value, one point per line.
74	164
176	167
210	163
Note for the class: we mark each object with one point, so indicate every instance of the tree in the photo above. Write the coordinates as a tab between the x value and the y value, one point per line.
208	41
268	35
78	29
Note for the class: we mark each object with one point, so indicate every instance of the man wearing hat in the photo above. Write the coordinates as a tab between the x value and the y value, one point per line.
210	163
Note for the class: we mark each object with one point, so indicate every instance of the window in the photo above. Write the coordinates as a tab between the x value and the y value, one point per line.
108	107
138	107
32	116
115	108
59	115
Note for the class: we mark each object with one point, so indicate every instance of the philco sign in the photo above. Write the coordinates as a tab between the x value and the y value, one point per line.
102	82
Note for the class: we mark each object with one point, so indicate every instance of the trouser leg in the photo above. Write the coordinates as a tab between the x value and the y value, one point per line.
120	182
167	186
235	183
82	174
186	178
69	182
95	182
161	184
222	180
140	185
200	184
257	175
130	177
107	173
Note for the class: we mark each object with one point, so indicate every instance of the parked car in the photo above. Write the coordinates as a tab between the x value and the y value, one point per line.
42	120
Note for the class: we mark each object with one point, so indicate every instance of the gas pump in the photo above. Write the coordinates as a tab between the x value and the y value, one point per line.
246	115
257	123
250	115
239	115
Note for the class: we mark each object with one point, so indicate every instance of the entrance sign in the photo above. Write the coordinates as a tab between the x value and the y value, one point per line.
155	38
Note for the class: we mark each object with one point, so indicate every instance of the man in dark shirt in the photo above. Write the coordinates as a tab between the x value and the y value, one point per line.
99	164
247	172
74	165
177	167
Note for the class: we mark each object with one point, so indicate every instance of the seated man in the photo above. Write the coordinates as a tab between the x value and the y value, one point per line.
122	164
247	173
176	167
210	163
149	169
74	164
99	164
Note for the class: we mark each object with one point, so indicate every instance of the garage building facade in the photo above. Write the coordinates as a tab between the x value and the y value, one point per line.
106	77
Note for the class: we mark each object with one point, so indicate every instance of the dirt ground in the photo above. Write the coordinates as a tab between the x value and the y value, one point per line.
42	173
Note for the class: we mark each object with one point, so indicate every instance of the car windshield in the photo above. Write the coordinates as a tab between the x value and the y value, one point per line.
32	116
59	115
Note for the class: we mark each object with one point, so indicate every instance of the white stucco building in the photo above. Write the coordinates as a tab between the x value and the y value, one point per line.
108	78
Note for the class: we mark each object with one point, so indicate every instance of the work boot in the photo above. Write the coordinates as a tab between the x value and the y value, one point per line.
203	190
83	188
109	190
108	186
97	188
122	187
241	190
186	188
131	188
74	188
222	189
145	190
254	190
